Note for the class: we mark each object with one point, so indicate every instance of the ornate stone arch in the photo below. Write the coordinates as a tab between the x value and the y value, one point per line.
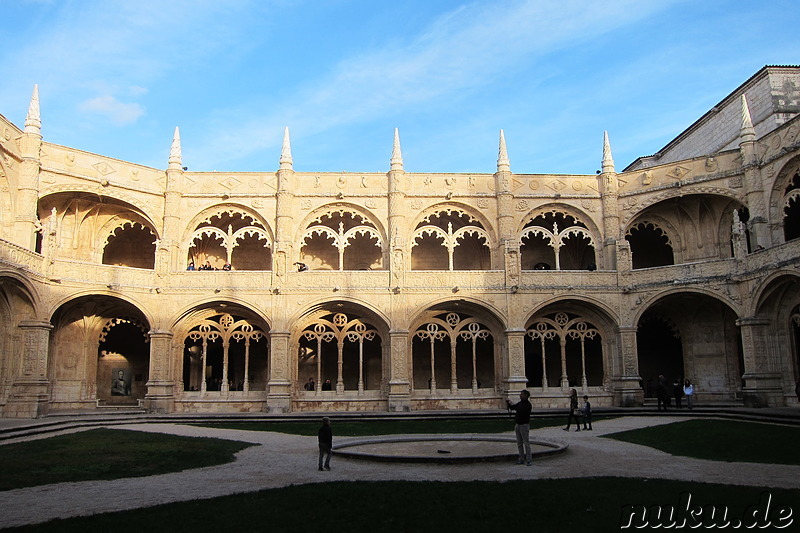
141	243
650	200
457	344
95	336
655	223
81	225
564	229
343	343
137	204
231	340
451	237
569	343
229	236
784	202
342	236
7	199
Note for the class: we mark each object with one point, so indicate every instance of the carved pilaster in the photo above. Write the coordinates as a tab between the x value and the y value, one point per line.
762	383
626	384
26	221
279	388
160	397
515	362
399	380
397	198
609	201
28	397
754	195
512	263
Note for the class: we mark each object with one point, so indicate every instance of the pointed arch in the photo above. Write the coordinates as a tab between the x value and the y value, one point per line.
555	239
451	237
342	237
226	237
340	347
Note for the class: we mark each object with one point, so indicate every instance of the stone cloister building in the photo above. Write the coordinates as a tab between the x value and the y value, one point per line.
397	291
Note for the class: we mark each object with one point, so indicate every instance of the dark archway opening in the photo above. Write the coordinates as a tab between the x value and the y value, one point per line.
660	352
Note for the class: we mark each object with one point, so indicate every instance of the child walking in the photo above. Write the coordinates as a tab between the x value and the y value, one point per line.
587	413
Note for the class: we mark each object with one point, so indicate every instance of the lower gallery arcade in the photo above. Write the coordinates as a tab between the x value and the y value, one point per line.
341	355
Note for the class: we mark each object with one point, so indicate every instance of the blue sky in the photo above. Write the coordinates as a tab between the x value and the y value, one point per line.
116	77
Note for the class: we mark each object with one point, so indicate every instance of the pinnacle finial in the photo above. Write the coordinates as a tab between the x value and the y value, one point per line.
286	151
747	133
503	164
608	160
33	122
397	154
175	155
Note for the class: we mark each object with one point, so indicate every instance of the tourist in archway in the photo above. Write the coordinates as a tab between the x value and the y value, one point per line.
574	411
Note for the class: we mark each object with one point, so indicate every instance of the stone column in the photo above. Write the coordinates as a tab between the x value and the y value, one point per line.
515	363
626	387
396	223
762	382
168	248
279	388
28	397
284	200
608	186
160	397
753	184
399	379
26	221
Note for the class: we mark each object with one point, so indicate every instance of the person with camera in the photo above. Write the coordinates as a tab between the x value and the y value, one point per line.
522	418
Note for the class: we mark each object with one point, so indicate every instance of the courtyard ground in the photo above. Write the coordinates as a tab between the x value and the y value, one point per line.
280	460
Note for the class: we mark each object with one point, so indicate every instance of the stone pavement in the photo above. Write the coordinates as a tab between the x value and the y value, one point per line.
279	460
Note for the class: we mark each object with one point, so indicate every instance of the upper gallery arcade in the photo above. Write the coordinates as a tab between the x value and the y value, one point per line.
285	291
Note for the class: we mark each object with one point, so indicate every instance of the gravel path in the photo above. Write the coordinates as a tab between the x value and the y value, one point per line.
282	460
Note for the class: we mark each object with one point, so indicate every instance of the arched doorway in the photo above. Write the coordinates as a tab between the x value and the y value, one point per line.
99	353
691	336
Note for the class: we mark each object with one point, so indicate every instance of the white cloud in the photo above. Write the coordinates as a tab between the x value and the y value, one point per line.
462	50
120	113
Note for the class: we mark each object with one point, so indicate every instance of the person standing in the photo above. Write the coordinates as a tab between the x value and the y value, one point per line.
325	439
573	411
661	392
522	425
587	413
688	391
677	392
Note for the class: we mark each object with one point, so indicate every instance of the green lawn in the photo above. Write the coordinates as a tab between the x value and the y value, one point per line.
561	505
107	454
557	505
721	440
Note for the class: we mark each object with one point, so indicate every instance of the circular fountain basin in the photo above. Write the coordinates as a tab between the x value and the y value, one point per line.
441	448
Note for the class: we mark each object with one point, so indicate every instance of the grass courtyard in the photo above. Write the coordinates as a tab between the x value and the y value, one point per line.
562	505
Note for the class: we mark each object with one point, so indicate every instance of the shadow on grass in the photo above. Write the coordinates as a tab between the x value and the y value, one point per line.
108	454
365	428
721	440
552	505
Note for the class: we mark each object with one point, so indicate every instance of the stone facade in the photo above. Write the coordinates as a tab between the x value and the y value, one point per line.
396	291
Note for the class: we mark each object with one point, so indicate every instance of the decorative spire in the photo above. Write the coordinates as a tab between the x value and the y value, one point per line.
747	133
503	164
33	122
608	161
175	156
286	151
397	154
